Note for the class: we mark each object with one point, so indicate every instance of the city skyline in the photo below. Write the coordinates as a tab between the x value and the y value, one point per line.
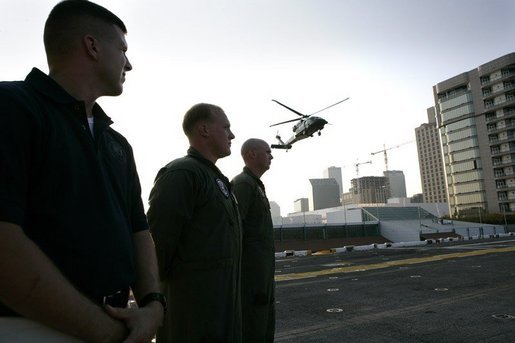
385	56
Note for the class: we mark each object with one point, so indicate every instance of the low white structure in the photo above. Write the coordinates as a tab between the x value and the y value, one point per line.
345	216
298	218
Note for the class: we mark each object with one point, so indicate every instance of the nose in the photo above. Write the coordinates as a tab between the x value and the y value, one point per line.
128	65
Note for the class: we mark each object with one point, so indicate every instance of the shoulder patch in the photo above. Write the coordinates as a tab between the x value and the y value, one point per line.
223	188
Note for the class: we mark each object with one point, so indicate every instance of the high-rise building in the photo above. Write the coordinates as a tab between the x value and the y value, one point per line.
275	211
395	183
430	161
335	173
475	114
326	193
301	205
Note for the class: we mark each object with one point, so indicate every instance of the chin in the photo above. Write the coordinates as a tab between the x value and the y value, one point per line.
115	92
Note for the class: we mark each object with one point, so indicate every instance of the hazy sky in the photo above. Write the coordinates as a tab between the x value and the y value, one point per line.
385	55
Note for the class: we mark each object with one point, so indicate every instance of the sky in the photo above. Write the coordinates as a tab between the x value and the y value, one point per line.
385	55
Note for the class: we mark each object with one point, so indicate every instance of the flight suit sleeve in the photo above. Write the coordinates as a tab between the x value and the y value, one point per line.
170	212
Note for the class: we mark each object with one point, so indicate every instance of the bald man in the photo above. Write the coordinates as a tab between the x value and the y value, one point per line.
258	258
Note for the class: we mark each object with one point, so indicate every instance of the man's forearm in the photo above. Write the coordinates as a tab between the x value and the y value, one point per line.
147	275
144	322
37	290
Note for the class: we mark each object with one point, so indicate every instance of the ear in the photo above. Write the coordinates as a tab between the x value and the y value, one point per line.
91	46
247	155
203	129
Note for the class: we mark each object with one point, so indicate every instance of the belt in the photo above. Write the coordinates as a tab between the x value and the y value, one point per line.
117	299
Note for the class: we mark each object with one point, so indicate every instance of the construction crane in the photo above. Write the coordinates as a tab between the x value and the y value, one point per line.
386	149
357	167
358	191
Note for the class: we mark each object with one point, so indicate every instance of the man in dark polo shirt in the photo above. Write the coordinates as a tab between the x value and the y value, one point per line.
258	253
73	234
194	221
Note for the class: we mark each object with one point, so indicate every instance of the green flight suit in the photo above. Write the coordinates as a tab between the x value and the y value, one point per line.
258	259
195	224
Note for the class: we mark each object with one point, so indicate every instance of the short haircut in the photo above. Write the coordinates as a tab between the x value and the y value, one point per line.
251	144
197	113
70	19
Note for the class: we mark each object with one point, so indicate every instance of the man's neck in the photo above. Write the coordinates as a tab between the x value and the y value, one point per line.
205	152
78	90
255	171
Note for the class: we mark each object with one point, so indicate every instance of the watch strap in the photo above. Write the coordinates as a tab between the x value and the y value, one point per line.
153	297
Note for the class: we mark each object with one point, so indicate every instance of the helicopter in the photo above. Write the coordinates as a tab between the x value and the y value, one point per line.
307	125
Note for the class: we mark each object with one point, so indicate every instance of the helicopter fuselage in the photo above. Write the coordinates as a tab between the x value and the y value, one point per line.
303	129
309	126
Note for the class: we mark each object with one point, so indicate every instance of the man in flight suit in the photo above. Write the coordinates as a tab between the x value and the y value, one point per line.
258	258
195	223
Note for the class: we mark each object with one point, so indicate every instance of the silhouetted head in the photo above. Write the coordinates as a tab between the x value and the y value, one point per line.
208	130
257	155
70	20
86	49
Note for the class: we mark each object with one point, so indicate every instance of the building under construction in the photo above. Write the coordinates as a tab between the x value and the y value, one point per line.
367	190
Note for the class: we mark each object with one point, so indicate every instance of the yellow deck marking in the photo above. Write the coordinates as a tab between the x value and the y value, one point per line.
364	267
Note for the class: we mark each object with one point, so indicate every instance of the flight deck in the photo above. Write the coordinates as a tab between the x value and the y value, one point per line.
457	291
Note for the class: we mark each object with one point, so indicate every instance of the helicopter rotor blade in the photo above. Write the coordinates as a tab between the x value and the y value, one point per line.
291	109
323	109
284	122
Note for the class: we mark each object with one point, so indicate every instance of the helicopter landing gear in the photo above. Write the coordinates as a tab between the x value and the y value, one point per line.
319	133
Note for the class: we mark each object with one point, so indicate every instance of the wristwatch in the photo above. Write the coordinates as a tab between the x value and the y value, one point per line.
153	297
